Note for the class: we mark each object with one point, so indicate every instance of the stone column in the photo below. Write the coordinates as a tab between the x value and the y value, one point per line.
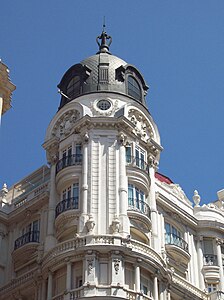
137	278
43	290
84	187
200	262
155	288
69	276
168	294
152	198
49	285
219	260
50	240
123	187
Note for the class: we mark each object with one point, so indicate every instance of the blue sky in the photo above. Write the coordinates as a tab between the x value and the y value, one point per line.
178	45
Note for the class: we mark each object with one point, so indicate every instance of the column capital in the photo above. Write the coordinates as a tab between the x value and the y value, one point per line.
122	139
85	138
219	241
199	238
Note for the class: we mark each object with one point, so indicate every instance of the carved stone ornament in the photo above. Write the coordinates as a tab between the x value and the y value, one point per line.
65	123
108	112
177	190
90	266
90	224
196	198
4	192
142	128
116	265
52	153
115	225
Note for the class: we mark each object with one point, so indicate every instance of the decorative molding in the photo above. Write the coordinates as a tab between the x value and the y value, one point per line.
98	112
116	265
65	123
90	265
142	127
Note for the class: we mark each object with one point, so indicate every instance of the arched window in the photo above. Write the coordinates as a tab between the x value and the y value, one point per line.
134	89
73	88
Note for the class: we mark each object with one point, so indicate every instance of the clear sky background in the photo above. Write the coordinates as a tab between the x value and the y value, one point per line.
178	45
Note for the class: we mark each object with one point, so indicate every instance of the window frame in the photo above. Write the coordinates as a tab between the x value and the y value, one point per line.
133	93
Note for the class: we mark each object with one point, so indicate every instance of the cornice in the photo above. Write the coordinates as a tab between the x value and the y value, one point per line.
171	206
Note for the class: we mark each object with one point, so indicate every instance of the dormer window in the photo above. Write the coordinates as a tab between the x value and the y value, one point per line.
73	88
134	89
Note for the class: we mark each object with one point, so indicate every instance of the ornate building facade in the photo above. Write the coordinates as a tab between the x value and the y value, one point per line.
100	222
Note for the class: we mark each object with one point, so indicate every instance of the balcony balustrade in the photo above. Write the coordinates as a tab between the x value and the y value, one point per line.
66	204
71	160
29	237
210	260
137	162
139	206
173	239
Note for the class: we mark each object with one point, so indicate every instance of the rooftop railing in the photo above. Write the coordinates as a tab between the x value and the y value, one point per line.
139	206
173	239
29	237
71	160
66	204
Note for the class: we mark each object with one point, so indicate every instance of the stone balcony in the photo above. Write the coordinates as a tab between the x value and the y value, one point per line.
71	160
211	268
177	247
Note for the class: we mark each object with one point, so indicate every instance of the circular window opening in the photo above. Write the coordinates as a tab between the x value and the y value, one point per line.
104	104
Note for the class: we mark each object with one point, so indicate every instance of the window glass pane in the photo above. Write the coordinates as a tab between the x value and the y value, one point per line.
128	154
73	88
134	88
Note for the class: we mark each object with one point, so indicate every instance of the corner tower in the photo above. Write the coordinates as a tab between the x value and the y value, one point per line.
103	148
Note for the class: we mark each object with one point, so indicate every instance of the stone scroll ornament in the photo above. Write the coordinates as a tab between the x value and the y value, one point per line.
65	123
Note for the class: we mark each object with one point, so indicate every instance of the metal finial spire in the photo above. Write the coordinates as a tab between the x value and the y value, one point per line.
104	47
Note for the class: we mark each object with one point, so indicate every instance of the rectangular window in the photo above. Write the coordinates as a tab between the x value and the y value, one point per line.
130	195
139	157
128	154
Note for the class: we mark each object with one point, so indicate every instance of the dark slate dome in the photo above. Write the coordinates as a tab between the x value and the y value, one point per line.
102	72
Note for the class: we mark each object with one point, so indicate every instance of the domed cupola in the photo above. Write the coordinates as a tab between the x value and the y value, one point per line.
102	72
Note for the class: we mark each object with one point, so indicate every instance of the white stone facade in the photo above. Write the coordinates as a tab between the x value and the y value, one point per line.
100	222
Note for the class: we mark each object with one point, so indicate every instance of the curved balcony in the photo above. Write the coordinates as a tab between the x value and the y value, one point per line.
71	160
139	206
139	212
177	247
66	204
137	162
211	268
29	237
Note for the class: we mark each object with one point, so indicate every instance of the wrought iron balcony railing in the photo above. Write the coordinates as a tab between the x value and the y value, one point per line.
137	162
210	260
67	204
29	237
173	239
71	160
140	206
